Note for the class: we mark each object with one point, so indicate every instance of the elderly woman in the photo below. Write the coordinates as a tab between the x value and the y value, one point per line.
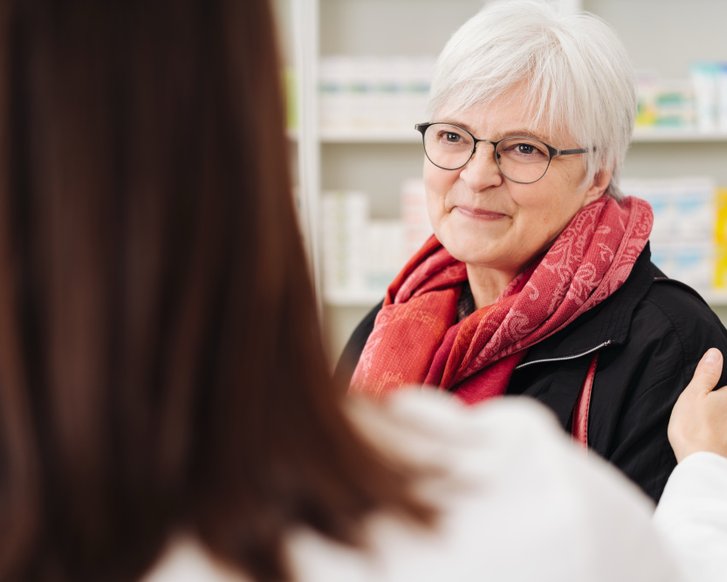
538	279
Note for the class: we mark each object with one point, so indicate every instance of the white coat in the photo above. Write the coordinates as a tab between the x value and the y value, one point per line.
519	502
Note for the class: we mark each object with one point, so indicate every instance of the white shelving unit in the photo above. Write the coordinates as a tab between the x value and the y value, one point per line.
678	136
345	136
363	299
305	34
298	34
377	161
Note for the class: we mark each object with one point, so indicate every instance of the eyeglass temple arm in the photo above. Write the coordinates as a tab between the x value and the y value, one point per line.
573	151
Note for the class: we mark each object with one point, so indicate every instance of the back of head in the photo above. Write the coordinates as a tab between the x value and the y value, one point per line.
161	365
574	71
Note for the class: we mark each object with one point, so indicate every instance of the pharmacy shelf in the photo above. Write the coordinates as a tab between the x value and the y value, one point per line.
642	135
367	298
716	297
376	160
363	135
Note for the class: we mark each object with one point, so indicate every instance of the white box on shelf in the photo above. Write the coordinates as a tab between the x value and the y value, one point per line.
704	78
344	217
334	92
683	207
682	238
695	209
694	265
660	195
373	93
414	214
385	255
722	96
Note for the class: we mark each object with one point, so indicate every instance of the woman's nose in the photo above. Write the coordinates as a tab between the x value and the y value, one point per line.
481	172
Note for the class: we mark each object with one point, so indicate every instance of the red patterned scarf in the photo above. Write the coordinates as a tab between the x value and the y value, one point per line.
417	338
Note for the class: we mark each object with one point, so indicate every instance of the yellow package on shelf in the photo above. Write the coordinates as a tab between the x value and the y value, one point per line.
720	222
720	239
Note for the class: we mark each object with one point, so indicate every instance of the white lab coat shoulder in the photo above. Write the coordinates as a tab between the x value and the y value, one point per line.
517	502
692	516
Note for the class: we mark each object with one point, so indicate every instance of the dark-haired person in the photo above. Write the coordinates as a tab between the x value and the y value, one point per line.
165	407
538	280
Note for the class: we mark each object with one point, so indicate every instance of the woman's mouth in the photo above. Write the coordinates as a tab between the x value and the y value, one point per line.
479	213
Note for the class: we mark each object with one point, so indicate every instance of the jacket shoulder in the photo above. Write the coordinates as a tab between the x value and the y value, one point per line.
681	307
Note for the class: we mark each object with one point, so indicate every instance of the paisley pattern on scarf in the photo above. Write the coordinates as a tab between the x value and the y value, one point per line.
417	338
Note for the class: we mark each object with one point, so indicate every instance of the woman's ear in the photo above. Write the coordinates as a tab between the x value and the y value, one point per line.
599	185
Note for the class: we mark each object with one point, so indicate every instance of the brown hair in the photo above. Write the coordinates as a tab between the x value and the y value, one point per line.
161	367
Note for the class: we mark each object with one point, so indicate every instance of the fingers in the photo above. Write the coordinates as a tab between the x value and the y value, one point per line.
699	415
707	374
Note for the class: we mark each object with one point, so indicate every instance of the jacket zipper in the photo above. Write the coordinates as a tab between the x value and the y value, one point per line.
563	358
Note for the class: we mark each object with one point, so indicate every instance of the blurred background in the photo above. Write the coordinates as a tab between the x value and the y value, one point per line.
357	74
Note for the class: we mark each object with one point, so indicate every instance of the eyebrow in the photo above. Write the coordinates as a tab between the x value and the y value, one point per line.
511	133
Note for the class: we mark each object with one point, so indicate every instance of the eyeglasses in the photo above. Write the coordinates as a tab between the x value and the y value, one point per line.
521	159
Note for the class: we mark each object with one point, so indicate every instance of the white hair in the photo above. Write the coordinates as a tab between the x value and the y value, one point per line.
575	72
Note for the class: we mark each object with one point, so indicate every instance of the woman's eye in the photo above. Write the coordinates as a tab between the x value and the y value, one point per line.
525	148
451	137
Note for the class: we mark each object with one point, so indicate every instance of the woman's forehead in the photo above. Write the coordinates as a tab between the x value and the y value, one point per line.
520	107
508	114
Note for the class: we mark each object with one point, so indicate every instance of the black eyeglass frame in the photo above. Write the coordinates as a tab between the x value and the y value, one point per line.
553	152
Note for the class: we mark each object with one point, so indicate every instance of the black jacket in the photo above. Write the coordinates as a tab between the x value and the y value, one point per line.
649	336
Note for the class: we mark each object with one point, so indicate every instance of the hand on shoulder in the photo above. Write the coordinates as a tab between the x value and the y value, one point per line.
699	419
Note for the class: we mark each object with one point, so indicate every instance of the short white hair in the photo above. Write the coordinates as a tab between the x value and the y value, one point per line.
576	75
